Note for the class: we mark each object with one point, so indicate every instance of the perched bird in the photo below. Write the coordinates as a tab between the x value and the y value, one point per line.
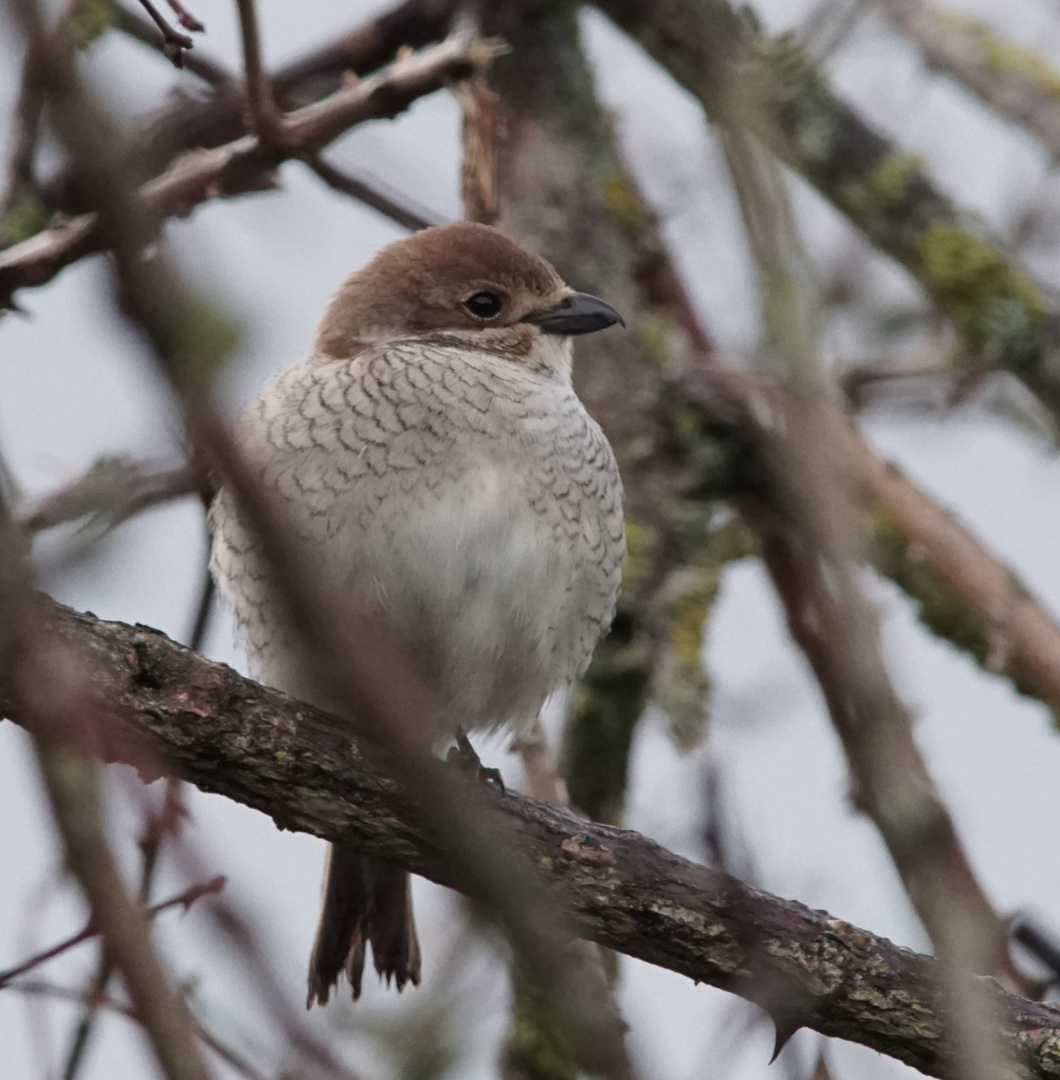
430	454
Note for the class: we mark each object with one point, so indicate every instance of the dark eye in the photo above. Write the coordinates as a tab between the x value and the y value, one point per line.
484	305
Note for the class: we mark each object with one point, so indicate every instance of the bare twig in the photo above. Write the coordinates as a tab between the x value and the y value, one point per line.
132	25
112	490
225	1052
264	118
811	550
478	176
158	825
239	166
185	17
182	899
174	43
389	204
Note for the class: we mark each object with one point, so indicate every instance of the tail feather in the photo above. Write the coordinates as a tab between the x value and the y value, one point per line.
364	902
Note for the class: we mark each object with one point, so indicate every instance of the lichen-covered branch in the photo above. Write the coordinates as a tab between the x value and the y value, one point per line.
1003	319
1014	80
963	593
247	163
228	735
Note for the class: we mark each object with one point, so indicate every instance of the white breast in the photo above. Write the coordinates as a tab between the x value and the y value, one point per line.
472	496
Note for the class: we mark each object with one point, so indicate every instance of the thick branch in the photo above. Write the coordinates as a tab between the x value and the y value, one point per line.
228	735
244	164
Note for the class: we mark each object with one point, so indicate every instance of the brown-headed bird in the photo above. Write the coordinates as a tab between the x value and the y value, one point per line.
431	455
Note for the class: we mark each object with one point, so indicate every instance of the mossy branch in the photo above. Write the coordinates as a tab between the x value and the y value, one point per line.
228	735
1002	318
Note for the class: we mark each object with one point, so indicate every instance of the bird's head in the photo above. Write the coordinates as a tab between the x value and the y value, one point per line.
468	282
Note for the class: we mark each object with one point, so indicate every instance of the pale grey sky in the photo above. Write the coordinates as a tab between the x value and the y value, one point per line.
74	385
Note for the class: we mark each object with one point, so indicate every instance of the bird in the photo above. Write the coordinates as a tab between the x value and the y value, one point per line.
430	453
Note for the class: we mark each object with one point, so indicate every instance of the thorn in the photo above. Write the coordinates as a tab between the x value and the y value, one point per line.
785	1030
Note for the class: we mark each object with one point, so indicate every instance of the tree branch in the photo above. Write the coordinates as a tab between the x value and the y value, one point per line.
243	165
1013	80
228	735
1002	318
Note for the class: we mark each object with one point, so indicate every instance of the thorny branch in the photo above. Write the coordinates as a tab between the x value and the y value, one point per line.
229	735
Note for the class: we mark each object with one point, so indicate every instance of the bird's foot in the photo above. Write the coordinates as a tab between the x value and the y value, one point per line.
464	757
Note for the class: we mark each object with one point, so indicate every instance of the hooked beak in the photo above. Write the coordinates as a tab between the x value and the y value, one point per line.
578	313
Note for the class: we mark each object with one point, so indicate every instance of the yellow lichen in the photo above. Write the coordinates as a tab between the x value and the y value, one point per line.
24	219
891	177
999	54
89	20
994	307
623	202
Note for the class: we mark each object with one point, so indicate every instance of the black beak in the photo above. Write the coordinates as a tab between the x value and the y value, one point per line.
578	313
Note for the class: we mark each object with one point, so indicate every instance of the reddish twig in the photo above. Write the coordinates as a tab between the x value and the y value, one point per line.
185	17
183	899
131	24
174	43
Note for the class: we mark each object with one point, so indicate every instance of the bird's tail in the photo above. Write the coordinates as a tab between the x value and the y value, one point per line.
364	902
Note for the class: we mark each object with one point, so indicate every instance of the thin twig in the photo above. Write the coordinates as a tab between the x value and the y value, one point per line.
174	43
263	113
182	899
185	17
810	546
397	208
112	490
1016	81
211	71
225	1052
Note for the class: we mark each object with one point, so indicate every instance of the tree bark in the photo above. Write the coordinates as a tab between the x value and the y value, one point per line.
171	711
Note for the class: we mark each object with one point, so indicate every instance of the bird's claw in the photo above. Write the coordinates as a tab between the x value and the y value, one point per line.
465	758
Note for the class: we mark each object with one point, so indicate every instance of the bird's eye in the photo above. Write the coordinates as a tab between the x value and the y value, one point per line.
484	305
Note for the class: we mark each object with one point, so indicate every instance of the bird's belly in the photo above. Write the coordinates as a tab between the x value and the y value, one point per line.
483	589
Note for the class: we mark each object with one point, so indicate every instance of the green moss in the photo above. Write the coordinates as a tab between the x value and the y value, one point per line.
25	218
890	179
655	334
536	1048
603	714
797	88
939	608
994	307
282	757
687	619
624	204
999	54
89	20
196	338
